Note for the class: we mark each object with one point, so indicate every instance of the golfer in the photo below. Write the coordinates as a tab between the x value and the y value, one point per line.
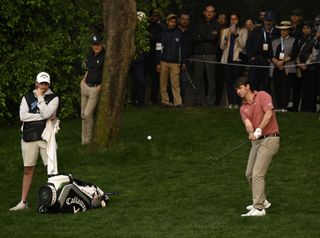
36	108
261	125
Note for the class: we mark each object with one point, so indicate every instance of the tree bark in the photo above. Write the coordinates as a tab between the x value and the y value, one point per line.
120	19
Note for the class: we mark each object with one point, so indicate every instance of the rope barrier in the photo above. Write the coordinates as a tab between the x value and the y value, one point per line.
248	65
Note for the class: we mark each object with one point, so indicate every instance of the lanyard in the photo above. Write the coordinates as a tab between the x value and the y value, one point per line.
265	34
282	44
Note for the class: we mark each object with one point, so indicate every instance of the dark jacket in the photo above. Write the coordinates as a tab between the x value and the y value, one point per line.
173	48
188	40
206	37
155	30
296	32
254	46
305	46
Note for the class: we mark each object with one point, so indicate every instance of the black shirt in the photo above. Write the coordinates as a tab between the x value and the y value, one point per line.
95	67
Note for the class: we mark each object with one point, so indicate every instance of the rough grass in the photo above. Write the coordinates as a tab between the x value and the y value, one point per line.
168	187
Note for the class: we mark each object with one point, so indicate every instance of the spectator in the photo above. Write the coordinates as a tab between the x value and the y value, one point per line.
249	25
155	29
296	32
36	109
183	26
222	20
137	72
90	87
170	56
296	23
138	75
223	23
306	56
206	39
259	52
261	18
284	55
233	41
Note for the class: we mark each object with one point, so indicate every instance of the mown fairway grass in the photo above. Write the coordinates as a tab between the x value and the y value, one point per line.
168	187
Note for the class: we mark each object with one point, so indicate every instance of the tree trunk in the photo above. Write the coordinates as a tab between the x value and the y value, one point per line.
120	19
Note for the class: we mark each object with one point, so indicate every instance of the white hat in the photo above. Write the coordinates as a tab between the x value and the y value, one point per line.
284	25
141	15
43	77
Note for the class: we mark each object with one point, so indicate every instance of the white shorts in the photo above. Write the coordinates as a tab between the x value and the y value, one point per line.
30	152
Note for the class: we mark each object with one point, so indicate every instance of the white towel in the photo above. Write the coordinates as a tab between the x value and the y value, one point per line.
49	135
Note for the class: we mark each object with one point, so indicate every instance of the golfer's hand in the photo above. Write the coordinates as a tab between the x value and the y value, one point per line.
39	92
303	66
252	137
158	68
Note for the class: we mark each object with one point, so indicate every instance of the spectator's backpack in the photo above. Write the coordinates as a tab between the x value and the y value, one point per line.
65	194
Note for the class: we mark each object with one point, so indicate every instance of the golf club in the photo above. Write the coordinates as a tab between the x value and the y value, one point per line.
229	152
111	193
190	81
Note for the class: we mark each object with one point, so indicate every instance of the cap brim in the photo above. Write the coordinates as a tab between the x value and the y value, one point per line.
283	27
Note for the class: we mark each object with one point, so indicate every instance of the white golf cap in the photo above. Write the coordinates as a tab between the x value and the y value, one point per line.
43	77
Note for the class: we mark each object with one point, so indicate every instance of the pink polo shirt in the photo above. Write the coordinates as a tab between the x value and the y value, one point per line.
255	111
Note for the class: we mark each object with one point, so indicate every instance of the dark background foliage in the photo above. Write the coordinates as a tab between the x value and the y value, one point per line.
49	36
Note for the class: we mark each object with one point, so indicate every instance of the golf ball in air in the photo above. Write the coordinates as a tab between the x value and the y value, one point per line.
149	137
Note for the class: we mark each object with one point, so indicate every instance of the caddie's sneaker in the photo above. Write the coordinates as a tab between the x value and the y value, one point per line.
20	206
254	213
266	205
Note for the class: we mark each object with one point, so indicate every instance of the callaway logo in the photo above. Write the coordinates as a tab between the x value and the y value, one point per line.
75	210
76	200
34	105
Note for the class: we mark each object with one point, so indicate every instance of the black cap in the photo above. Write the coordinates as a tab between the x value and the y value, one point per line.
269	16
96	40
296	12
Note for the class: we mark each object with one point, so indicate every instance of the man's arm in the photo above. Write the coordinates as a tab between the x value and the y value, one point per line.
47	110
266	119
254	134
25	115
249	129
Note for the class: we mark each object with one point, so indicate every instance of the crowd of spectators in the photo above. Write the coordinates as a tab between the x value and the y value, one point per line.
279	56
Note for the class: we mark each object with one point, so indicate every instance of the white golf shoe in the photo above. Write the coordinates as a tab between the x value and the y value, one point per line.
20	206
266	205
254	213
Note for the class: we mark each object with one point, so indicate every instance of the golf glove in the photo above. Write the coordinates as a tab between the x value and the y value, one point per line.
257	133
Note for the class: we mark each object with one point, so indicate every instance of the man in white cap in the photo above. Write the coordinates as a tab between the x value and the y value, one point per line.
35	109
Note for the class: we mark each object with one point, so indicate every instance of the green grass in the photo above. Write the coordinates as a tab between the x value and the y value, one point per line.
168	187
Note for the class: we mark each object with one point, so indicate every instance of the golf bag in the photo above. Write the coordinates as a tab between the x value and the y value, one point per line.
65	194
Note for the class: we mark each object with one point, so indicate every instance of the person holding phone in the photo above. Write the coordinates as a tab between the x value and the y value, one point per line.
233	43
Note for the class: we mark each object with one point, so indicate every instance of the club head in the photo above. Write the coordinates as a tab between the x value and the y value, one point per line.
213	158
